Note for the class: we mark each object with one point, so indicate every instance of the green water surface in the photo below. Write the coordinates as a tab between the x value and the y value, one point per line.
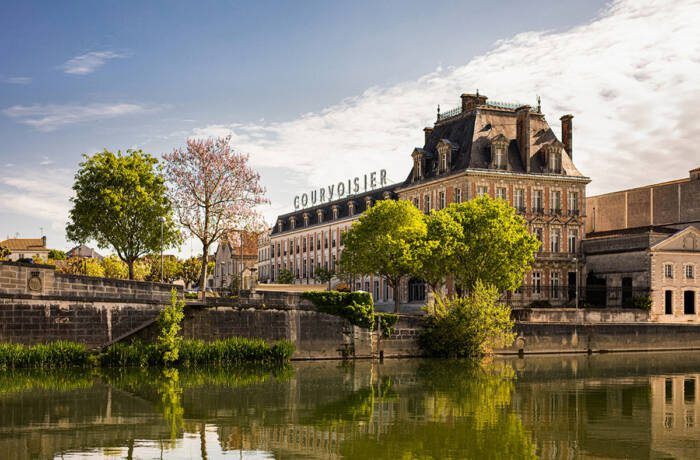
641	405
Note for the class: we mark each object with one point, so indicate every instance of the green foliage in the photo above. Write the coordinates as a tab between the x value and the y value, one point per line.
643	302
285	277
169	321
323	275
115	268
495	246
118	202
172	268
357	307
52	355
57	254
467	327
80	266
386	322
131	354
4	253
439	247
386	240
192	268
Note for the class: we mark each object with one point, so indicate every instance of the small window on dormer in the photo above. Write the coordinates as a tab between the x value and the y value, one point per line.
443	162
306	220
335	212
555	162
351	208
292	223
419	169
368	202
319	214
279	227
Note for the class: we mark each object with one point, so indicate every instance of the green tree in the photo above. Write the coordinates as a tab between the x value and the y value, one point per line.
495	246
285	277
172	268
324	275
114	267
170	321
439	248
4	253
57	254
118	202
386	240
192	269
468	327
80	266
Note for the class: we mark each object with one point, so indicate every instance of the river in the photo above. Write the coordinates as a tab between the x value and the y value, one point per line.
642	405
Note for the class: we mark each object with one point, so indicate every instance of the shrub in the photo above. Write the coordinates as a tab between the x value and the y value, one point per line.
643	302
170	320
387	321
234	351
285	277
45	356
467	326
356	307
133	354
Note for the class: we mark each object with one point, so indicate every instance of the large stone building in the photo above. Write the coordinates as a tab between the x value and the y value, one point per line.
508	151
645	242
306	239
235	260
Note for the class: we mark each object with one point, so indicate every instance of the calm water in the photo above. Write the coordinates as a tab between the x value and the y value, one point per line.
605	406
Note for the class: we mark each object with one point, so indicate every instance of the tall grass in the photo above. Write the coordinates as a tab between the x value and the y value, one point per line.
52	355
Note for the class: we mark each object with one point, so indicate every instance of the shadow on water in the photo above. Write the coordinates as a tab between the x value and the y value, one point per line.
604	406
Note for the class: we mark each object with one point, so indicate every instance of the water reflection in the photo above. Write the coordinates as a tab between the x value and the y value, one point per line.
606	406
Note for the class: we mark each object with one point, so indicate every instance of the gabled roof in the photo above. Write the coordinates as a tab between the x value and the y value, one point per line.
687	239
24	244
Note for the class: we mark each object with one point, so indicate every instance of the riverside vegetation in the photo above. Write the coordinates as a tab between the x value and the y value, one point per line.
169	350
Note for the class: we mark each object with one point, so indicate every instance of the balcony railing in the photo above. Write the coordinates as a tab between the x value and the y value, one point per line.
555	211
449	114
564	296
573	212
521	209
537	210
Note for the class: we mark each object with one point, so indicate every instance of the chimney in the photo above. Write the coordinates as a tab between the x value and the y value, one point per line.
567	134
523	134
471	101
428	132
695	174
43	241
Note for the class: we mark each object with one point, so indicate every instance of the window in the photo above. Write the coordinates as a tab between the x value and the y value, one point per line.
689	272
499	161
292	223
573	237
689	302
482	190
555	240
443	162
318	244
335	212
376	290
319	215
441	200
419	169
426	204
540	238
668	271
555	162
536	282
668	390
333	262
555	285
303	244
519	199
415	202
325	241
366	286
501	193
351	208
458	195
689	390
333	240
573	203
306	220
537	204
556	202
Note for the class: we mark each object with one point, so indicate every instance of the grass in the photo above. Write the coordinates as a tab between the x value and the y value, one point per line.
60	354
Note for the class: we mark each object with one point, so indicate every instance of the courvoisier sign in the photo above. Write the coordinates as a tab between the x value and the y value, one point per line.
360	184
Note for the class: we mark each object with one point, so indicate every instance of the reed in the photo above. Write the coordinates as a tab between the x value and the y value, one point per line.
51	355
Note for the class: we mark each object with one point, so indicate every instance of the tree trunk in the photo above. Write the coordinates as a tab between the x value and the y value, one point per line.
130	264
396	297
203	275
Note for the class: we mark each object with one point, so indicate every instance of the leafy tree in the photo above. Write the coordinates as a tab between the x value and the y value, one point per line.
118	202
114	267
285	277
192	269
57	254
495	246
215	191
439	248
80	266
172	268
386	240
468	327
170	322
324	275
4	253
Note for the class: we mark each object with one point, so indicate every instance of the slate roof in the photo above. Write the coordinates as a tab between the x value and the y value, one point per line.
327	208
471	133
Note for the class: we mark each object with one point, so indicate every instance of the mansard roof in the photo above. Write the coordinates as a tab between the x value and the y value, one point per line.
472	132
326	209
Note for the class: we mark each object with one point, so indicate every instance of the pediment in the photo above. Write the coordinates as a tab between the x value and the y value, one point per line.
687	239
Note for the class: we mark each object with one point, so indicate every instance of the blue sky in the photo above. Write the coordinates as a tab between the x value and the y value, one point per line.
316	91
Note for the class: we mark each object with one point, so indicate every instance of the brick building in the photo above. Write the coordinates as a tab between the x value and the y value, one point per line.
508	151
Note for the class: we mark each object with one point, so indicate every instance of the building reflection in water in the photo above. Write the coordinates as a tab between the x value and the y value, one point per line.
606	406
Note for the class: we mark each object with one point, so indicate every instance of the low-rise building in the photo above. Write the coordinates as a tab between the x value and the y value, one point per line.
26	248
83	252
235	260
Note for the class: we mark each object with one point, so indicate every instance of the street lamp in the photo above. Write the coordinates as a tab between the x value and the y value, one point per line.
575	261
161	219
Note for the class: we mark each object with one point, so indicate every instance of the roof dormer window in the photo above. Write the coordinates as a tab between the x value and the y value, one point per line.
306	219
292	223
553	158
280	226
368	202
335	212
319	215
499	149
418	164
444	149
351	208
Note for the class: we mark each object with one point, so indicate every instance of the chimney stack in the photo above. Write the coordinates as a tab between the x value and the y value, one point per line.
523	134
43	241
567	134
471	101
428	132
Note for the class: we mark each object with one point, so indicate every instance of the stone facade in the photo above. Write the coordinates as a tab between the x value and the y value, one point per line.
264	263
235	260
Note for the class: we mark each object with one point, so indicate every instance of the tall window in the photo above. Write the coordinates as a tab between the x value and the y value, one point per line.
500	158
536	282
443	162
441	200
333	262
335	212
555	162
519	199
458	195
689	272
415	202
501	193
426	203
537	201
482	190
556	202
539	235
555	240
555	285
573	237
303	244
668	271
333	240
573	203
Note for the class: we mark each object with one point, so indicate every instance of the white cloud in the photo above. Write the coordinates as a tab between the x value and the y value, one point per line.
51	117
16	80
40	194
88	63
629	77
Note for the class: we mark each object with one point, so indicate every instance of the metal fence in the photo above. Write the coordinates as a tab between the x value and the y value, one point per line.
564	296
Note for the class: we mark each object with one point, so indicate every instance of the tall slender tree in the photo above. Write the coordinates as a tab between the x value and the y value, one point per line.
118	202
215	190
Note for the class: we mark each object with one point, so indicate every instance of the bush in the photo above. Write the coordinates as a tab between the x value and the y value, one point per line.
643	302
285	277
169	321
356	307
467	326
45	356
387	321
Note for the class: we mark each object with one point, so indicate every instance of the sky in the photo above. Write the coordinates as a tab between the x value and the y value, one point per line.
319	91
